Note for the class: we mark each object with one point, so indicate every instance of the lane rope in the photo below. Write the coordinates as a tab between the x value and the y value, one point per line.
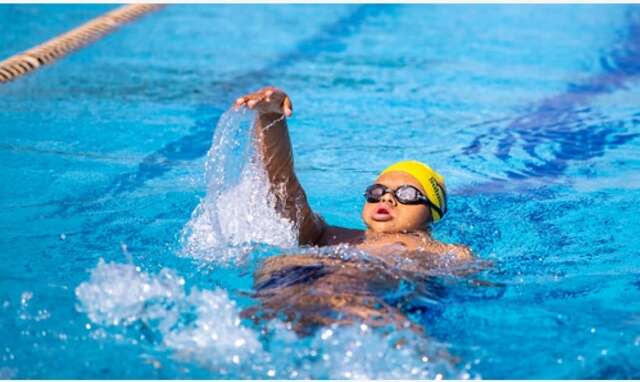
58	47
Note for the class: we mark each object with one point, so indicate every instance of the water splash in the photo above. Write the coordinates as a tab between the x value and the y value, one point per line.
204	326
216	338
238	210
122	294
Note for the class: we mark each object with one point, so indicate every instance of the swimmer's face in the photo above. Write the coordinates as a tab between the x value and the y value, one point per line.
390	216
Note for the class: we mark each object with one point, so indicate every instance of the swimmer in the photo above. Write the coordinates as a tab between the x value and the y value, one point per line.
400	204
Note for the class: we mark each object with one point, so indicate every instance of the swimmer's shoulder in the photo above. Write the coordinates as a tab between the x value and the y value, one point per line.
460	252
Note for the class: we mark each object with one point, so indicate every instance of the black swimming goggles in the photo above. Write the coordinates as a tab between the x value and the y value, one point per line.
404	194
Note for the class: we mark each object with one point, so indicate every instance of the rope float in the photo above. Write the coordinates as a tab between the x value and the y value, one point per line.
27	61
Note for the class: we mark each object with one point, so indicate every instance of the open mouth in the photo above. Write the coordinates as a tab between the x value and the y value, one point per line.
382	213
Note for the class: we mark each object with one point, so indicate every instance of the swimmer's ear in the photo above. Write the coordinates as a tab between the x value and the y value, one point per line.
287	107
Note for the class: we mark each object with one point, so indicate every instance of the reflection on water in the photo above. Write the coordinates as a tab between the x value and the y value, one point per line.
564	128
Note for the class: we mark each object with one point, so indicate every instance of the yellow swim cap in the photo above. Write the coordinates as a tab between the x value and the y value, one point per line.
431	182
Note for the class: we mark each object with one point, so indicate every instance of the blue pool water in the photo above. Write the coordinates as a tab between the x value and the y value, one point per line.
531	113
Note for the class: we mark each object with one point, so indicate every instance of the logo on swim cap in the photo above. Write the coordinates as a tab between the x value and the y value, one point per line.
429	179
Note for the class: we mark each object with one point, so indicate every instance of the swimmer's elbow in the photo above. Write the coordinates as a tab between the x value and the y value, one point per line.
311	229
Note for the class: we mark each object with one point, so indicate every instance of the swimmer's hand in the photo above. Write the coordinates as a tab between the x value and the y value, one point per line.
267	101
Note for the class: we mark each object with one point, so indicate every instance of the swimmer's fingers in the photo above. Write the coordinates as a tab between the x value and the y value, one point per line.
287	107
268	99
251	100
240	101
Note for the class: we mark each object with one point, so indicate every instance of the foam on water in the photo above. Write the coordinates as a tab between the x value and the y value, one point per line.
120	293
201	325
216	338
238	209
204	326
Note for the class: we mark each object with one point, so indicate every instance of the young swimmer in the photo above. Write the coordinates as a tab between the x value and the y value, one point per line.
316	289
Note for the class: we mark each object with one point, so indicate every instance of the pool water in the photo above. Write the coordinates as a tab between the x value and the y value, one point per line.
109	158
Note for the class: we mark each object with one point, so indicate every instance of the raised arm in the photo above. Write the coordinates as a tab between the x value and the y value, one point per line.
272	108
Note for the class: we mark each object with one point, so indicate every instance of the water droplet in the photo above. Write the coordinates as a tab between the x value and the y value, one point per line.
88	326
326	334
236	359
63	236
271	373
25	297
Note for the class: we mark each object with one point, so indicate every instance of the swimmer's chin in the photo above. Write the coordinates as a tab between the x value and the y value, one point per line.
386	226
390	226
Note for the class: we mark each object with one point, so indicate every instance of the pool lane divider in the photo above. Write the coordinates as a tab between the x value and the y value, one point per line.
58	47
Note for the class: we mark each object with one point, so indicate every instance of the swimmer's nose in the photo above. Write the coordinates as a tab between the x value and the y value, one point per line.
387	198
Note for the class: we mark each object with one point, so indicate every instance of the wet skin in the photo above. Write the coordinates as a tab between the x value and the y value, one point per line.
314	293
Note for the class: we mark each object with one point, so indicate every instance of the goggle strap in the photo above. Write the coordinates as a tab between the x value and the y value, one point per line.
433	206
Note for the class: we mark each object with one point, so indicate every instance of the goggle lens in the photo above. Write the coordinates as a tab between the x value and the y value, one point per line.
404	194
407	194
374	193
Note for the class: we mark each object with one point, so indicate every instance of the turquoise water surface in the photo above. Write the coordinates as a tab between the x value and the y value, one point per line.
112	266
